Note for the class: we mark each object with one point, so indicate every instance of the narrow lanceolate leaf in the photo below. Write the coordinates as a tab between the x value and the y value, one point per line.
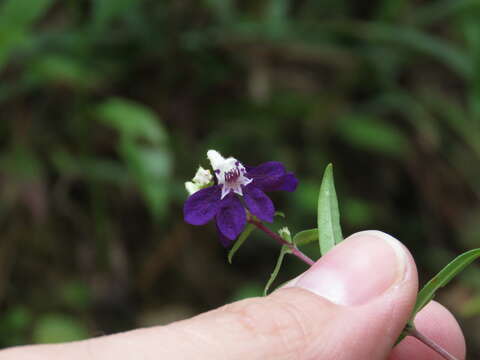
241	239
284	250
305	237
443	278
328	217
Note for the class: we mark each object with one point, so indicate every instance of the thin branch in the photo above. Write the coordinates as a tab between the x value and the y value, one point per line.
294	250
430	343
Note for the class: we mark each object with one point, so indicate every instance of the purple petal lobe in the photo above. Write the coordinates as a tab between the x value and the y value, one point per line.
226	242
288	182
259	204
231	217
202	206
271	176
266	172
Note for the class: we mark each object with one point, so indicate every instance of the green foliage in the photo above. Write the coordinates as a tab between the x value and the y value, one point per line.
62	69
15	325
358	212
283	251
76	295
239	242
223	9
106	11
16	19
370	134
55	328
443	278
132	121
92	168
305	237
151	168
245	291
414	40
328	216
150	165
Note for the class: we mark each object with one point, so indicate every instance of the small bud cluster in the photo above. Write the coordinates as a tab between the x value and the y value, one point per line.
202	179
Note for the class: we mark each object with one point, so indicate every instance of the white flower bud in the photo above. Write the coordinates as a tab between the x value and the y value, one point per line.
285	234
203	177
191	187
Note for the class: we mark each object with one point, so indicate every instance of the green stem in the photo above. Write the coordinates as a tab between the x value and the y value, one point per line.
293	249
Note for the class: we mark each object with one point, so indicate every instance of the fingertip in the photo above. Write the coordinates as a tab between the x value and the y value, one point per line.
438	324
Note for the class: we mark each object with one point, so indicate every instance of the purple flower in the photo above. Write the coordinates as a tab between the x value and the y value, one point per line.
237	187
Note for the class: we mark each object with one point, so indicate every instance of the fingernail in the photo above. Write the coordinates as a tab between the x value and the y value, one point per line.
357	270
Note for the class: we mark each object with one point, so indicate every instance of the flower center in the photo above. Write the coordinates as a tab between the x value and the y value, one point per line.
230	173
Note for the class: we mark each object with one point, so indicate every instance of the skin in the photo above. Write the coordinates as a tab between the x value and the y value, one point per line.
304	320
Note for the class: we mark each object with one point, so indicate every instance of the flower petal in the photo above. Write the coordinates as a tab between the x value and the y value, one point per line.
226	242
202	206
258	203
288	182
231	217
271	176
266	172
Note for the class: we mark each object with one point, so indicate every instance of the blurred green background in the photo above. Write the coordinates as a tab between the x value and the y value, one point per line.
108	106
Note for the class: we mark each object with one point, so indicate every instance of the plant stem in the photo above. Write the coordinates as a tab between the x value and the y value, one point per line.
294	250
430	343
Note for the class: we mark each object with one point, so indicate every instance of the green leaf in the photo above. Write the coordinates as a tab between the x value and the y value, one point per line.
436	11
241	239
276	17
17	318
22	13
443	278
16	16
151	169
305	237
132	120
390	10
245	291
55	328
75	295
284	250
280	214
367	133
105	11
328	216
63	70
413	39
22	164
